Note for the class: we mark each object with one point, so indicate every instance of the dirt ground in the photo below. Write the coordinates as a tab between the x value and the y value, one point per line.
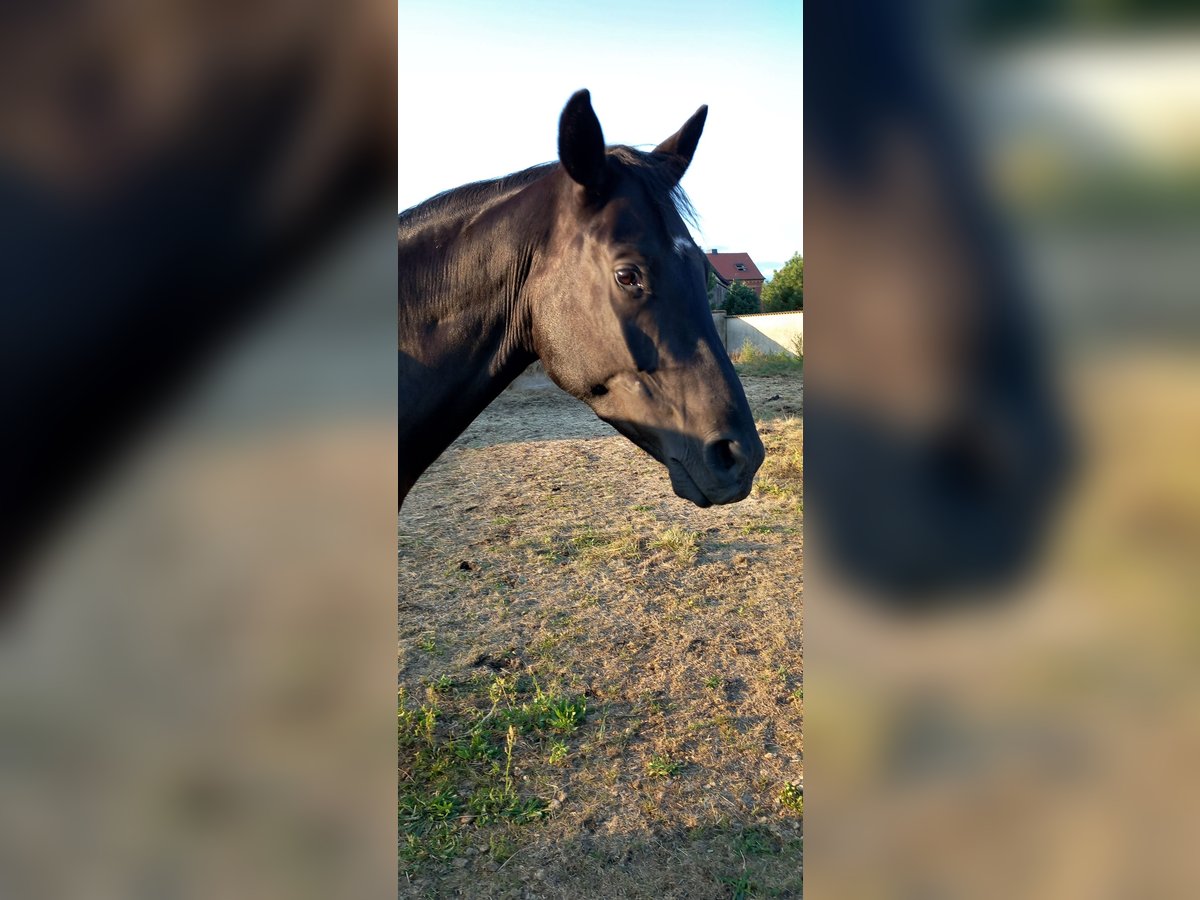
600	684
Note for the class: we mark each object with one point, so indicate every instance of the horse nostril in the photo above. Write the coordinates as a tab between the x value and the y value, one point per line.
722	455
599	390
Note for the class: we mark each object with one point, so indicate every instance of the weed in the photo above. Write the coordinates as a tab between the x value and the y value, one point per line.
566	715
741	886
797	344
659	766
792	796
409	723
502	688
558	753
714	682
415	725
428	644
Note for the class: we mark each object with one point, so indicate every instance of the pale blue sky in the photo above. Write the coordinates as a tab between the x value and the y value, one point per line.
482	82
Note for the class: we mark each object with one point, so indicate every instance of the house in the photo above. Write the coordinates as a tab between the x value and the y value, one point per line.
731	267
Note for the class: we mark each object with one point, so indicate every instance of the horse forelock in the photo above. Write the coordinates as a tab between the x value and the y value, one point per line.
658	180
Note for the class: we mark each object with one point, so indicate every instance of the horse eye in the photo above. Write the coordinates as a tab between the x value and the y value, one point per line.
628	277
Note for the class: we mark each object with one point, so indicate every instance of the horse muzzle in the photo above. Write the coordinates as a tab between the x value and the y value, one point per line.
722	472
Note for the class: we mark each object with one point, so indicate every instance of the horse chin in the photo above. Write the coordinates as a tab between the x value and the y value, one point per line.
685	486
715	492
683	482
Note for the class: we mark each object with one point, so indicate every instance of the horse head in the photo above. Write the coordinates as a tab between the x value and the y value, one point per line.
620	311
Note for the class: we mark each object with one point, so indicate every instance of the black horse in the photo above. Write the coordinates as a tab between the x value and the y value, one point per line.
586	265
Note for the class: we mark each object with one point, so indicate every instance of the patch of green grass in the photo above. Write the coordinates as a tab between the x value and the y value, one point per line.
713	682
766	487
623	544
563	633
758	529
457	755
589	546
586	538
681	542
751	361
552	553
757	842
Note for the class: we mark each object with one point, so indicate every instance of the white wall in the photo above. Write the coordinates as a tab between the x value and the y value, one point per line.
768	332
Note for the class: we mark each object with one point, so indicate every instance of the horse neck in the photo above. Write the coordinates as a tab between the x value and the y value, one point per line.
464	323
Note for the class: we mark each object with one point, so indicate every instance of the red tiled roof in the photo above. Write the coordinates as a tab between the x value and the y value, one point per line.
727	264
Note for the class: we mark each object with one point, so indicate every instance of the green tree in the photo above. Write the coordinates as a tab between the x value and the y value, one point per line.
741	300
786	290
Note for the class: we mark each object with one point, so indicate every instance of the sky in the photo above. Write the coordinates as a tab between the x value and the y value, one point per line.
482	83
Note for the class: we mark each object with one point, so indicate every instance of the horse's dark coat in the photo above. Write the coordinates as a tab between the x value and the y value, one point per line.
587	265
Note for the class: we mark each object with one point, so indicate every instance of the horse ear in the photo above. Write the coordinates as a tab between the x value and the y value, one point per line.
681	146
581	142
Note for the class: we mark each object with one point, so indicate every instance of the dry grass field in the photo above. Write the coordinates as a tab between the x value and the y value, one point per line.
600	685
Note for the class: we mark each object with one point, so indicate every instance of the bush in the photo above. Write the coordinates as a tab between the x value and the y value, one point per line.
741	300
786	290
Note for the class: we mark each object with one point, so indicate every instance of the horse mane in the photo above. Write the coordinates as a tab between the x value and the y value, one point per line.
471	196
647	168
